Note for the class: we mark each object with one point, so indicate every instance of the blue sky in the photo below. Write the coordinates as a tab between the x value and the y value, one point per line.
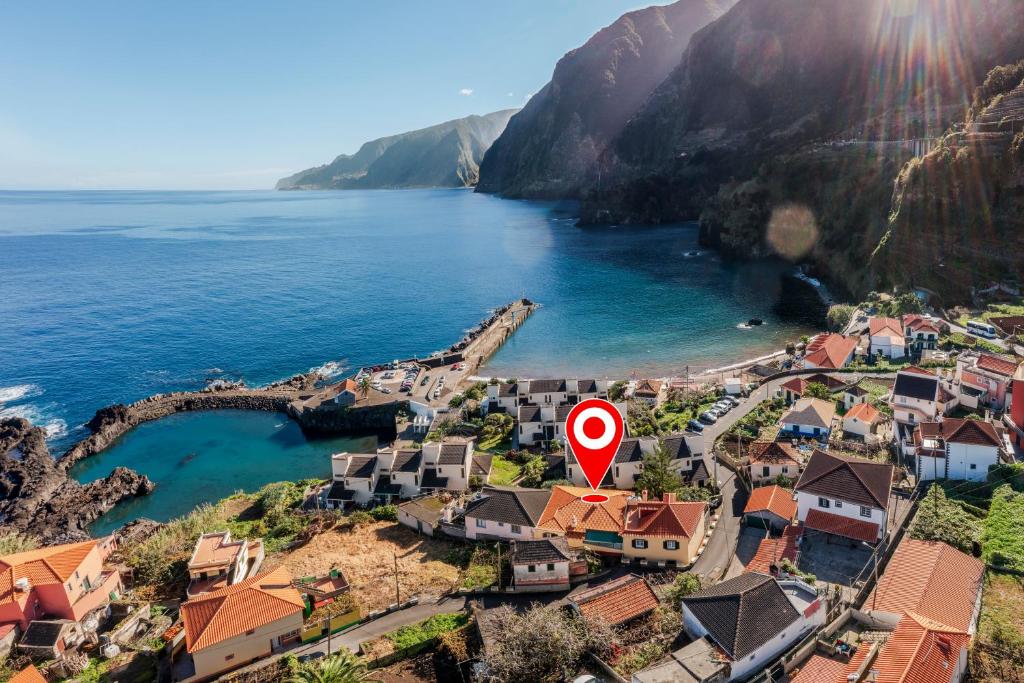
237	94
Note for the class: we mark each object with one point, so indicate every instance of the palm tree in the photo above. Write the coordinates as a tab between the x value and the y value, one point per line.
343	667
365	385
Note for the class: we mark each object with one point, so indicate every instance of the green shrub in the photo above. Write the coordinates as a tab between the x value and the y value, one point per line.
414	634
941	519
1003	534
385	513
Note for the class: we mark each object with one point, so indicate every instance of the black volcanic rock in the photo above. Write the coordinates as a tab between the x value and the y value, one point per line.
445	155
549	148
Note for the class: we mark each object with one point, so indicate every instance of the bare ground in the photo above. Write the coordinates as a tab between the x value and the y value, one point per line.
367	557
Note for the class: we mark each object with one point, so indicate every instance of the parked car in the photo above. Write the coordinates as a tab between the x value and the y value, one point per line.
708	417
385	390
425	380
695	426
733	400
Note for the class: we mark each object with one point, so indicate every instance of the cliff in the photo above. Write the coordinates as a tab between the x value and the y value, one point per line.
550	147
445	155
958	213
786	124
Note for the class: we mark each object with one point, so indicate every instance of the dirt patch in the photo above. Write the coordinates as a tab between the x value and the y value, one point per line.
367	556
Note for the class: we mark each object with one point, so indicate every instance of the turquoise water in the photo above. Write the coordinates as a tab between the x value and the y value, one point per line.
203	457
113	296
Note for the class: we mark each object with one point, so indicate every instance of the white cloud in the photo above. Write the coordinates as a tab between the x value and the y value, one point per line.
511	94
466	92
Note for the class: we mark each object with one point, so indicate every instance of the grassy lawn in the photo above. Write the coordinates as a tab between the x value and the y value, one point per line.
495	444
993	311
482	569
761	419
997	655
504	471
1002	533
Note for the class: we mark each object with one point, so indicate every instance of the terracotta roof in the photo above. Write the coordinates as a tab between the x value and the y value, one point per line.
831	352
799	384
821	669
617	601
810	411
919	323
1000	366
30	674
348	385
774	499
920	651
743	613
863	482
663	517
932	579
956	430
565	511
880	326
775	550
838	525
43	566
648	387
257	601
865	412
915	370
773	452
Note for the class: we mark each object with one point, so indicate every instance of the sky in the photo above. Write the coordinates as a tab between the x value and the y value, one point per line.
234	95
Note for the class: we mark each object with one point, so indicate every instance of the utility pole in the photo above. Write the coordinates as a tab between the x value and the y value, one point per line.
398	590
497	547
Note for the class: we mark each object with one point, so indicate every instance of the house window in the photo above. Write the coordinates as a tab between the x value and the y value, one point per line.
501	525
671	545
516	529
463	471
824	503
616	470
839	504
551	567
974	466
785	469
532	568
639	543
481	524
865	512
766	471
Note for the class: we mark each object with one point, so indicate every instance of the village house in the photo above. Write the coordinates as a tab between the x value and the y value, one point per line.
955	449
507	397
794	389
921	333
886	338
1015	420
919	396
685	451
768	460
845	497
348	393
218	561
770	507
809	417
664	532
505	513
862	420
616	602
50	638
773	550
829	352
60	582
424	514
854	394
240	624
544	564
596	526
544	424
920	649
649	391
984	380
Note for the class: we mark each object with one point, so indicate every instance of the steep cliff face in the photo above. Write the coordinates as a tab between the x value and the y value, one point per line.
549	148
788	104
958	213
445	155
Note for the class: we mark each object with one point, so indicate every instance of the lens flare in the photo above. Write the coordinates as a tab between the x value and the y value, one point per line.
792	231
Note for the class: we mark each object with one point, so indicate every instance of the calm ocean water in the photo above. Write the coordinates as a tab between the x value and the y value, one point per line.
113	296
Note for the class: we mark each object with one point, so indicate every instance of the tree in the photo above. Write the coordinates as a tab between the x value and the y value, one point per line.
497	426
641	419
533	472
617	391
817	390
658	477
839	316
342	667
685	584
365	385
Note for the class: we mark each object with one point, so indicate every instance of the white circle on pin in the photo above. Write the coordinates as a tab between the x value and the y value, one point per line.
601	441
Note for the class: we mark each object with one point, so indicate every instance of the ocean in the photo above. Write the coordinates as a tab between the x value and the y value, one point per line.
113	296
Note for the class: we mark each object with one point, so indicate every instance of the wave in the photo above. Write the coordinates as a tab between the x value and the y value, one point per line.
19	392
55	428
331	369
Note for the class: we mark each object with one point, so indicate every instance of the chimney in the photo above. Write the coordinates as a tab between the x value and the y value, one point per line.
643	495
668	497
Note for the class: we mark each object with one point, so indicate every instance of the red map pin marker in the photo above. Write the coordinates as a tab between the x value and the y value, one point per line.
594	430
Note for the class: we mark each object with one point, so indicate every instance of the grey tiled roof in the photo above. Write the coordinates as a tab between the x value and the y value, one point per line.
540	551
386	488
629	451
512	506
917	386
432	481
863	482
452	454
529	414
676	446
481	464
587	386
547	386
562	412
361	466
339	492
697	474
505	389
407	461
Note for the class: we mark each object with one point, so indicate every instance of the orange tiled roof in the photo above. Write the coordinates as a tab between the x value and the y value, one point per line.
831	352
348	385
913	369
30	674
259	600
820	669
919	323
617	601
879	326
774	499
648	387
920	650
566	512
838	525
995	364
931	579
774	550
865	412
661	518
43	566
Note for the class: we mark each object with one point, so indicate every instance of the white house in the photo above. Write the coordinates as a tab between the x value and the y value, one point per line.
918	396
771	459
502	397
887	338
752	618
542	564
956	449
505	513
863	419
809	417
685	450
922	334
844	497
854	394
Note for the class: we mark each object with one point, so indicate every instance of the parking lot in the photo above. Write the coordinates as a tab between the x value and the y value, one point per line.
434	386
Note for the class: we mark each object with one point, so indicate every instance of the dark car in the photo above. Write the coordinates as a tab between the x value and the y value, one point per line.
425	380
695	426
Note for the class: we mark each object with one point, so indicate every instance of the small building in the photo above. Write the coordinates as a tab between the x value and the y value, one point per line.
844	497
862	420
956	449
768	460
685	450
697	662
810	417
50	638
794	389
752	618
29	674
770	507
921	333
348	393
886	338
616	602
665	532
505	513
854	394
919	396
830	352
984	379
240	624
218	561
649	391
543	565
920	649
424	514
772	551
